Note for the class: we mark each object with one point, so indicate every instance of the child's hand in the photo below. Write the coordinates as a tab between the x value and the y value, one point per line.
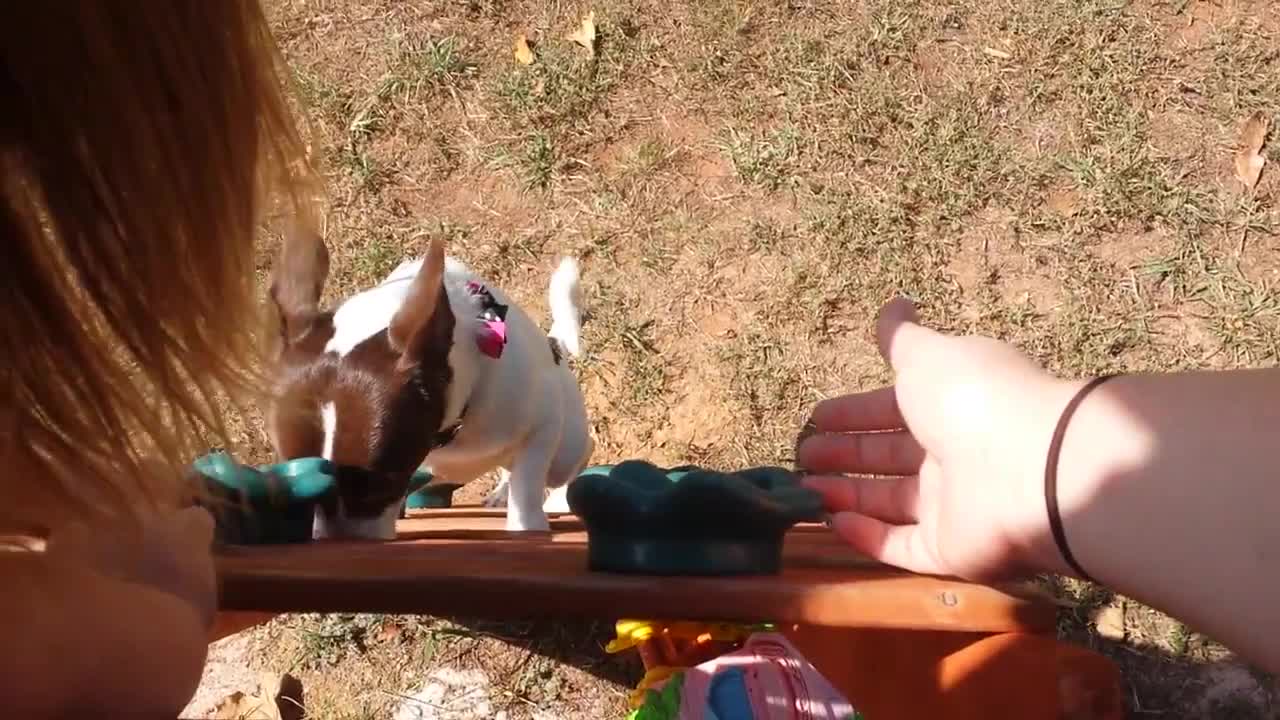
171	553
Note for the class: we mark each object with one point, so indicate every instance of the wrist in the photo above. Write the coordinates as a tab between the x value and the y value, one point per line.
1100	444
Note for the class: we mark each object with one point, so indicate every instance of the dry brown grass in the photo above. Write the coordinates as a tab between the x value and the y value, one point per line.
747	180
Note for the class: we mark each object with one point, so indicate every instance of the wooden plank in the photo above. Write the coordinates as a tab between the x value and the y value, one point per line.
801	549
226	624
425	522
449	563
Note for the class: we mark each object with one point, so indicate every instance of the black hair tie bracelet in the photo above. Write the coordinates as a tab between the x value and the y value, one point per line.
1051	476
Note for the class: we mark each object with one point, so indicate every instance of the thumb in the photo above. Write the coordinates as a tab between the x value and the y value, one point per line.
901	338
195	525
184	530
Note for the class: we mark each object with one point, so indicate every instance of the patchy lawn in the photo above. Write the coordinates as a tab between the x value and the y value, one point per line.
746	182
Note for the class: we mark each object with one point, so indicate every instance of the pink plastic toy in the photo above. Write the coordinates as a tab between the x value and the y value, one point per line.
767	679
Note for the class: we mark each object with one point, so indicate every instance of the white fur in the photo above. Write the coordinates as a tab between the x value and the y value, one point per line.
565	295
370	312
329	423
524	413
380	527
357	319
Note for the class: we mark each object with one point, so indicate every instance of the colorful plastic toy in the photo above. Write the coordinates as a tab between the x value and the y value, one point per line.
267	504
271	504
665	648
687	520
422	495
766	679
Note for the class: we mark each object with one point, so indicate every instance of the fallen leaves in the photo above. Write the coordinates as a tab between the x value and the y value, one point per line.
279	697
1249	158
524	55
996	53
585	35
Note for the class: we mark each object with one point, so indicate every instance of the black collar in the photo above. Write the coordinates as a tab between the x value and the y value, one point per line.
446	435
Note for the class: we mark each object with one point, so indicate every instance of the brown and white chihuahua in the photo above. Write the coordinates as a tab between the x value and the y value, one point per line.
431	368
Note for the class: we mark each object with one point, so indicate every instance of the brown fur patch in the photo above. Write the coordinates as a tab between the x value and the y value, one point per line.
387	409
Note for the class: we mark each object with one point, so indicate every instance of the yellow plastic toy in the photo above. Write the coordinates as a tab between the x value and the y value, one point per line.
668	646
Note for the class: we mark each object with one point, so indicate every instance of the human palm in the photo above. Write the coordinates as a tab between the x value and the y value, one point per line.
939	473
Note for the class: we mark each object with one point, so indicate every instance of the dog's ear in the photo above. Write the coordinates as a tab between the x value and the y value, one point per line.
298	280
425	318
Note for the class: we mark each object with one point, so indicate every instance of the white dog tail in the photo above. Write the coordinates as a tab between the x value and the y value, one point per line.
566	307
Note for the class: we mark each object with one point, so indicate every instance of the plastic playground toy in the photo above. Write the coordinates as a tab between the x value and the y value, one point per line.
423	495
271	504
667	647
643	519
267	504
767	679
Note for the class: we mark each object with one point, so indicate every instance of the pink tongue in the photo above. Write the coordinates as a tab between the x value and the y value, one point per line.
491	337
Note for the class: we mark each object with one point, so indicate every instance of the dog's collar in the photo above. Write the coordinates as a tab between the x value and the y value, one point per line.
491	321
444	436
491	338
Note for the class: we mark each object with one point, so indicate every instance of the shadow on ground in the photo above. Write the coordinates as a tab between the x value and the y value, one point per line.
579	643
1170	671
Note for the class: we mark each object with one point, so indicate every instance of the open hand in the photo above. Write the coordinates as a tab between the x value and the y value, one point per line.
941	473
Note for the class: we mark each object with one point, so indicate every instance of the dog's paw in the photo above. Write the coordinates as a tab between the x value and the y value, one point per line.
557	501
538	523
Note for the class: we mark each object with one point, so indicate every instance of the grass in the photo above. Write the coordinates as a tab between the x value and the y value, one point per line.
763	161
747	181
539	161
433	64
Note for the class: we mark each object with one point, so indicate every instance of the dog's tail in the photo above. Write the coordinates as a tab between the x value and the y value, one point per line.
566	307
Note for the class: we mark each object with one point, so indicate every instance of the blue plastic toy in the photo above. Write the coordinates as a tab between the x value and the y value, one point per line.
276	503
687	520
422	495
266	504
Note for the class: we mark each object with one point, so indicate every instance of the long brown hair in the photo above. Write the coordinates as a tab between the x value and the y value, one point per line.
141	147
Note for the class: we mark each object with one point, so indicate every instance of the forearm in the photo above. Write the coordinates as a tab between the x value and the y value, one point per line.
92	644
1169	489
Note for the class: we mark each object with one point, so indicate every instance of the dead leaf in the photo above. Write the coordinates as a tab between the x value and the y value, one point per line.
239	706
1065	203
1249	159
389	632
998	54
279	697
524	55
586	35
1109	622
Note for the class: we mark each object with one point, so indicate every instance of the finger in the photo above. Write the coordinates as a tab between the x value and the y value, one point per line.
881	453
898	545
893	501
197	524
191	526
872	410
901	338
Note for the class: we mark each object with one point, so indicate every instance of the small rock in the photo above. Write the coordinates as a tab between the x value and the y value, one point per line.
449	694
1109	622
226	670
